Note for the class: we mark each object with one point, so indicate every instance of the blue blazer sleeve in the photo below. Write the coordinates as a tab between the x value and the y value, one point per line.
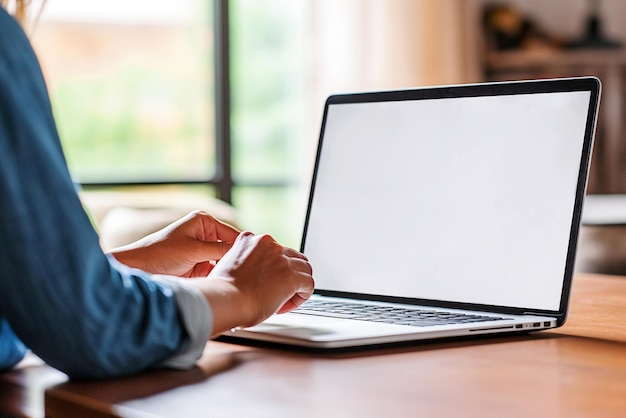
59	292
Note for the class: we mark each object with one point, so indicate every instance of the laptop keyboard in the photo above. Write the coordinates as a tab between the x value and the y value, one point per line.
388	314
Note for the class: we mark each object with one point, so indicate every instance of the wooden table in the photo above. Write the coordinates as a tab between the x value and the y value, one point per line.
576	371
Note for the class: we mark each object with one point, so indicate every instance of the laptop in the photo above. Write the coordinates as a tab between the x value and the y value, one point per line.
443	212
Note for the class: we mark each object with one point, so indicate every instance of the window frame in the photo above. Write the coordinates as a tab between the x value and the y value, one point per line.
222	182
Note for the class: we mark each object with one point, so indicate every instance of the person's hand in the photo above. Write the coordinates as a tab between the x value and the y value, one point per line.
255	279
188	247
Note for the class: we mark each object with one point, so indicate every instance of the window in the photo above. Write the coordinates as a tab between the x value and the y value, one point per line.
131	84
132	87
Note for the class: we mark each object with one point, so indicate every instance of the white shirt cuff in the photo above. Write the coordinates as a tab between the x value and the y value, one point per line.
197	319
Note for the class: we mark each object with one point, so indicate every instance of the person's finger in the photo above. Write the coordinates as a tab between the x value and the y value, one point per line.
202	269
301	265
306	286
216	230
226	232
293	303
290	252
215	250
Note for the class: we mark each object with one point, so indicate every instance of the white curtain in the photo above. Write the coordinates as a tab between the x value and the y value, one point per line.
389	44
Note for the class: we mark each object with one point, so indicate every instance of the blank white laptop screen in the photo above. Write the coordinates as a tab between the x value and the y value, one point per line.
474	195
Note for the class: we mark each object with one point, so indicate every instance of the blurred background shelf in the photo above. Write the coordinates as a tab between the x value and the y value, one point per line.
608	169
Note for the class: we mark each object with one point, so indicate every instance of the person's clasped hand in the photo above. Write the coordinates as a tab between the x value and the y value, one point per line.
267	277
188	247
250	277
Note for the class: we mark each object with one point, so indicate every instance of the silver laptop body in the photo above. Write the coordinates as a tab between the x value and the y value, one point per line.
453	210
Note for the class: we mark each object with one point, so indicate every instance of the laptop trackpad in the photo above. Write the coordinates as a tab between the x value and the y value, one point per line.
317	328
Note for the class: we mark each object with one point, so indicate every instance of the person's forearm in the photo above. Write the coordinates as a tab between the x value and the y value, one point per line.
98	322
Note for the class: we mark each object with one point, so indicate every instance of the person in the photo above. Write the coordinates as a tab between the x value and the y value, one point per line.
153	303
